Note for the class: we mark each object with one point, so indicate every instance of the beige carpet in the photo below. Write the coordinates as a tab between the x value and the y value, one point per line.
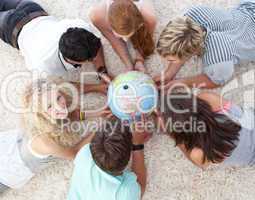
171	177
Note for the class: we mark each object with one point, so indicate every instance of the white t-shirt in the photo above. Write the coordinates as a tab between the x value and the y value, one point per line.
38	42
13	171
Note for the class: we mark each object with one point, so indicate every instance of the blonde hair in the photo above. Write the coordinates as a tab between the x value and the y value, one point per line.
125	18
183	38
36	123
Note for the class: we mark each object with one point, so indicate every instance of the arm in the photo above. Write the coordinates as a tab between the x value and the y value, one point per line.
213	76
198	81
97	17
99	60
214	100
168	73
138	167
138	164
87	88
46	146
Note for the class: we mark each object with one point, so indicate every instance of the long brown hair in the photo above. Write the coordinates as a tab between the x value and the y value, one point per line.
125	18
218	138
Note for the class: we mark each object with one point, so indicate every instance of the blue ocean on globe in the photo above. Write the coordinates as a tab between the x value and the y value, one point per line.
132	93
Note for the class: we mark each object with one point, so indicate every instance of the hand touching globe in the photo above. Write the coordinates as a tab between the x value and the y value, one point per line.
132	93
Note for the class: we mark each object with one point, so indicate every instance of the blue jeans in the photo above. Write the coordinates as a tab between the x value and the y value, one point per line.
11	13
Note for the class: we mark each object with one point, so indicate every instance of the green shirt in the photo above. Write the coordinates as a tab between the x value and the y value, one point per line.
89	182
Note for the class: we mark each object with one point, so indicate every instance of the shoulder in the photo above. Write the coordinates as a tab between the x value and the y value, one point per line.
98	13
207	17
128	184
84	155
73	23
199	14
219	45
213	99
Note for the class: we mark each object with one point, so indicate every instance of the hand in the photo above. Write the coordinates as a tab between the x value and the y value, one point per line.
107	113
161	78
103	88
139	66
168	85
140	135
157	79
105	78
128	68
75	115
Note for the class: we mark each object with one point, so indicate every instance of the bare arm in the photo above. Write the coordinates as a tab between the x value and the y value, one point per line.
138	167
198	81
214	100
138	164
87	88
168	73
97	17
99	59
46	146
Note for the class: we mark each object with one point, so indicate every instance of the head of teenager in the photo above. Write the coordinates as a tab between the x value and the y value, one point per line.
78	45
46	99
127	22
111	148
47	106
191	122
181	39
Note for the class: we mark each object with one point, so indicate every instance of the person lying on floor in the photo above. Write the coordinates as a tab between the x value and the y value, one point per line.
49	45
100	167
209	130
221	38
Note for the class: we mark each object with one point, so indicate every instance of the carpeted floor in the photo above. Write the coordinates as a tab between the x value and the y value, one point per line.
171	177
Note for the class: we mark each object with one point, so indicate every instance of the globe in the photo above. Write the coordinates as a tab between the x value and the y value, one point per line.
132	93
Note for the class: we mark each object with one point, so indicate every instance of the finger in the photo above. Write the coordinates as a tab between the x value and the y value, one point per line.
165	87
109	116
133	116
156	111
143	117
106	112
105	78
156	79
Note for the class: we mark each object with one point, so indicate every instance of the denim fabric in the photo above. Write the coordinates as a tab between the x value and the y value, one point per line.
10	17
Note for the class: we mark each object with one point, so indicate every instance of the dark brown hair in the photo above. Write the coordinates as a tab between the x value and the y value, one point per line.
217	140
111	148
125	18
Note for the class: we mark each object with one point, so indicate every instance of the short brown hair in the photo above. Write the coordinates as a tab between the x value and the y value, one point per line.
111	148
182	37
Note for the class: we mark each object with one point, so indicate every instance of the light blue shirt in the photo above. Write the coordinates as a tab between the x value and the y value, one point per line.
89	182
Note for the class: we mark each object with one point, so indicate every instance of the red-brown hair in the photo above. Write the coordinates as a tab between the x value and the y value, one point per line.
125	18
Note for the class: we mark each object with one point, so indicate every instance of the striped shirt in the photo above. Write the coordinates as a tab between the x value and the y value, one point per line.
230	38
